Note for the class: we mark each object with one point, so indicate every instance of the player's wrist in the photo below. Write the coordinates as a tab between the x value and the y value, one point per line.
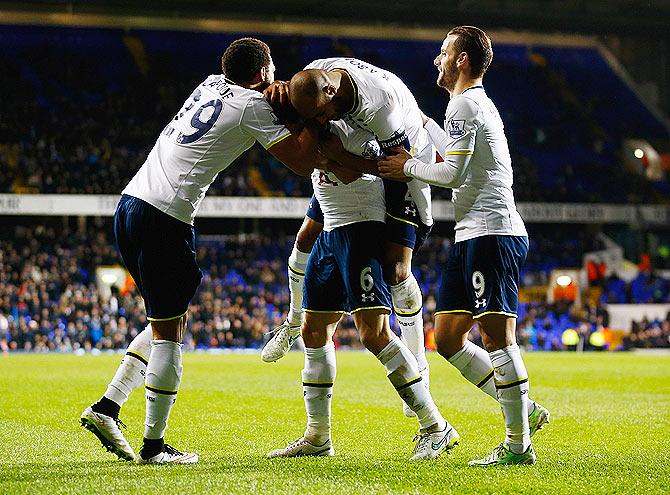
408	167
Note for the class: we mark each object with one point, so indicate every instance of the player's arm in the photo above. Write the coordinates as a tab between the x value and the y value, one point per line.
332	148
386	123
297	149
455	145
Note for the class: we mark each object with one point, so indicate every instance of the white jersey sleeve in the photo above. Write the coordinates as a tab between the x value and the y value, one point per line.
214	126
386	108
461	123
261	123
387	125
477	165
456	144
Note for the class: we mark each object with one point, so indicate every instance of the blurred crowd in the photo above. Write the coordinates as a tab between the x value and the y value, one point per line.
88	125
649	334
50	301
647	287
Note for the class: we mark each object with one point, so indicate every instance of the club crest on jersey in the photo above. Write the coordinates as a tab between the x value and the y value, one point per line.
371	150
456	128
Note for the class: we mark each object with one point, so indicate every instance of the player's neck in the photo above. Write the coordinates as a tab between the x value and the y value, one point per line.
345	90
463	84
259	86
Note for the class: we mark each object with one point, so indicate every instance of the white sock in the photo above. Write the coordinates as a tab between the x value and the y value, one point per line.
162	383
511	382
297	264
403	373
475	365
318	377
130	373
408	307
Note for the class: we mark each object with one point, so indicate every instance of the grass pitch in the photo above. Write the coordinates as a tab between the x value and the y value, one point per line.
609	431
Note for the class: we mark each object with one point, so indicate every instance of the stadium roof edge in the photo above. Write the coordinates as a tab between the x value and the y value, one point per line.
286	27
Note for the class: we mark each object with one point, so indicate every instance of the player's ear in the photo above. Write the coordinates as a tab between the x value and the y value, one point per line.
462	59
258	78
329	90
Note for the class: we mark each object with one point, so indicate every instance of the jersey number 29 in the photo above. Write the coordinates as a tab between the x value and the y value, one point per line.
197	122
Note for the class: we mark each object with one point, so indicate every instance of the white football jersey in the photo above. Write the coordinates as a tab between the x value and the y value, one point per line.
385	107
484	203
359	201
217	123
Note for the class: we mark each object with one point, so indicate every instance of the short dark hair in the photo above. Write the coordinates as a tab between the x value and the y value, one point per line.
244	58
476	44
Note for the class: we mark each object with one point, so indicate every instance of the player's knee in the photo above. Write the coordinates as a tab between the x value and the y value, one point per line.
449	345
369	339
396	271
304	242
168	330
307	235
313	337
498	331
406	296
495	342
451	332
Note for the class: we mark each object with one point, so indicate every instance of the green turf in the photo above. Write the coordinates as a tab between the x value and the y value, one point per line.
610	429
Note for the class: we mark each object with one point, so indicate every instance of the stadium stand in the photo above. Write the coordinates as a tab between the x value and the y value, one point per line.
562	131
49	300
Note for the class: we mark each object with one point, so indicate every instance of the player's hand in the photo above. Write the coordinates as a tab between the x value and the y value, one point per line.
330	146
278	97
277	93
392	166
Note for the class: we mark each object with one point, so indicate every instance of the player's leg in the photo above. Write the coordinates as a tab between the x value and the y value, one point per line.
492	265
368	300
511	382
453	321
405	232
318	377
436	434
401	367
323	309
406	294
406	298
163	378
474	363
102	417
166	265
132	370
288	332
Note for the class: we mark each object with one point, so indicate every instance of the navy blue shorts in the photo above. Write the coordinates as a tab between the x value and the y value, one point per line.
482	276
403	225
159	252
314	210
344	271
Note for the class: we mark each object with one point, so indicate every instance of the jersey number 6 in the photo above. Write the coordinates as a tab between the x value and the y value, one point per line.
367	283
